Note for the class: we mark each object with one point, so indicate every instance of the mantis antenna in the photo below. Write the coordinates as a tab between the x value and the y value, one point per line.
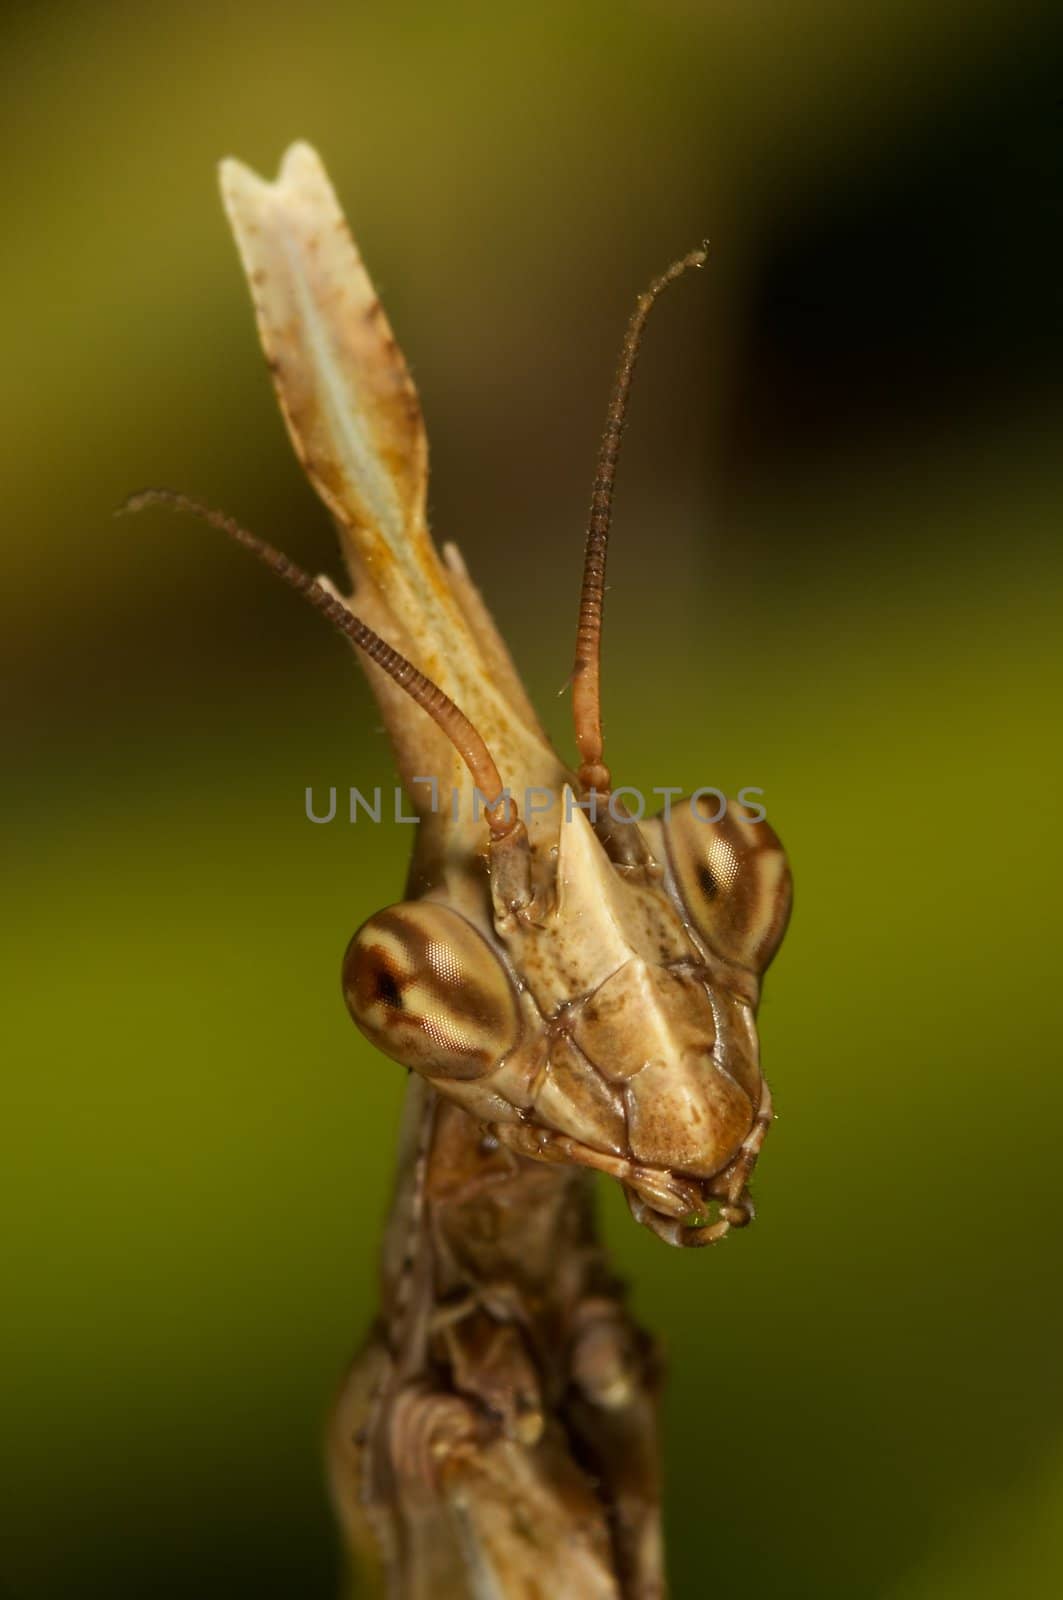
587	672
501	816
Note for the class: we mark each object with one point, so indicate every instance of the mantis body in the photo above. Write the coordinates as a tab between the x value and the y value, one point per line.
572	991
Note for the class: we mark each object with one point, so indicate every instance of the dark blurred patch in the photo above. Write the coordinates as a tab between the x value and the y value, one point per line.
228	1549
920	291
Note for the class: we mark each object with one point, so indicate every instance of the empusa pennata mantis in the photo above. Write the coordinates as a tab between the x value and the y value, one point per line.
572	991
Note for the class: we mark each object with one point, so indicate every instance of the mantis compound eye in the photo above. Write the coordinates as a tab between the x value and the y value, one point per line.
733	878
429	991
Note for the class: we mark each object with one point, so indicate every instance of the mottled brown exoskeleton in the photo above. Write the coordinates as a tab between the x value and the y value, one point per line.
572	991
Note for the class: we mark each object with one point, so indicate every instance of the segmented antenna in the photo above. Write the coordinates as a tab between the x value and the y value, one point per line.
501	816
587	672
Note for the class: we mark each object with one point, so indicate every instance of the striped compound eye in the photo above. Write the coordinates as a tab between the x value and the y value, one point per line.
733	877
429	991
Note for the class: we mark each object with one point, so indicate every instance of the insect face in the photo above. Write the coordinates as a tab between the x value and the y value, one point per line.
615	1025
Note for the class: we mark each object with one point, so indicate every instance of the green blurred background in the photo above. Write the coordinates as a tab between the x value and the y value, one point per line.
836	572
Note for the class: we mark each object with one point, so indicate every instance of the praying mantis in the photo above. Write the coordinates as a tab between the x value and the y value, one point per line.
571	990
